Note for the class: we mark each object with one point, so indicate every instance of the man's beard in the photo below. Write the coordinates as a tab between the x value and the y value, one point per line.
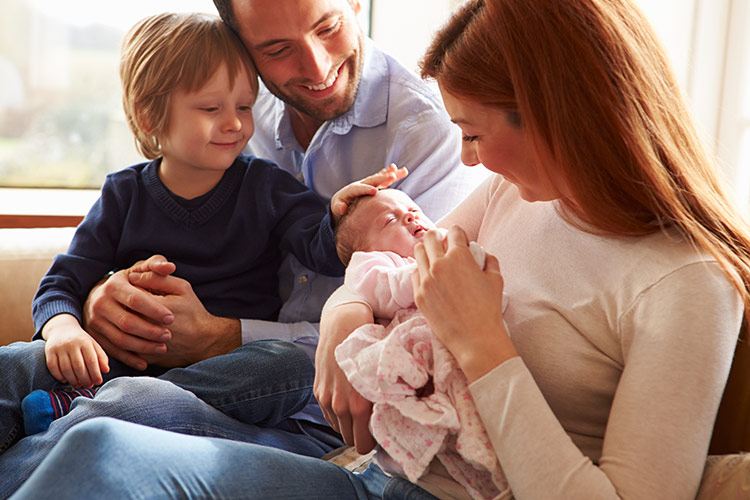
329	108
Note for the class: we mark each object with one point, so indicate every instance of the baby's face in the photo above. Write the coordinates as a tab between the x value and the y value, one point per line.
392	222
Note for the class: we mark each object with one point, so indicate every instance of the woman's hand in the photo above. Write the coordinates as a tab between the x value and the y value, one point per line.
344	408
366	187
462	303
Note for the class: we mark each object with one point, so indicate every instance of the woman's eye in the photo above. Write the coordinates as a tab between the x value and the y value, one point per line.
209	109
470	138
245	108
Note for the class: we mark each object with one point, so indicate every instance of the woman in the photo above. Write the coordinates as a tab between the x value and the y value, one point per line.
625	266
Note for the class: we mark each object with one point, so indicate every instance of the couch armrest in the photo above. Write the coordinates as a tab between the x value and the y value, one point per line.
25	256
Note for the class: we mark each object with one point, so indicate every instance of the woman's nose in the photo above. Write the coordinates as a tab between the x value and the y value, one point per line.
469	154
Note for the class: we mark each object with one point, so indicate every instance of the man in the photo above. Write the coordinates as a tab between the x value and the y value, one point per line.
336	109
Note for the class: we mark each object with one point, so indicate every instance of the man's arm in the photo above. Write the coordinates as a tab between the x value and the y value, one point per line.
196	334
169	327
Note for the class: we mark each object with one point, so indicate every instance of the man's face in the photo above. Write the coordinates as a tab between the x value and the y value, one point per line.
309	53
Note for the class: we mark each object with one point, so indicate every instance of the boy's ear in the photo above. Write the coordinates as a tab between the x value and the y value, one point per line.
356	6
144	123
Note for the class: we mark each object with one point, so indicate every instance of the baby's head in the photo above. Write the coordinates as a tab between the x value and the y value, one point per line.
389	220
168	52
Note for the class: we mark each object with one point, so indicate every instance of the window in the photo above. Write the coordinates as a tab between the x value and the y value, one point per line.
708	42
61	120
62	126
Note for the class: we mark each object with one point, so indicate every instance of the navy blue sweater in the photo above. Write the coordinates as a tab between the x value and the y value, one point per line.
227	243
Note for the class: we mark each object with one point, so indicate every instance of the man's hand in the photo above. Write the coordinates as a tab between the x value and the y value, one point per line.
344	408
127	321
195	333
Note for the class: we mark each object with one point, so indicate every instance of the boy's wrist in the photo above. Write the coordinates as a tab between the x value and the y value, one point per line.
62	320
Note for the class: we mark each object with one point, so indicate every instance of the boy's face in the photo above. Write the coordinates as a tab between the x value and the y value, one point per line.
392	222
209	127
309	53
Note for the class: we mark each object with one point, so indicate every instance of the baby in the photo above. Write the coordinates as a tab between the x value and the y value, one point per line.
422	406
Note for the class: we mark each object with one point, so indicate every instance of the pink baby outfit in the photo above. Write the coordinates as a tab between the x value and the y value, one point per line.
392	365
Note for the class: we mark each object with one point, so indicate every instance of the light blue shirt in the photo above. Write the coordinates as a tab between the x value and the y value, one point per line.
396	118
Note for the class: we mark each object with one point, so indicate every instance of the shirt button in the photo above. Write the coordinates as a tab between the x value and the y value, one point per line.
302	279
301	177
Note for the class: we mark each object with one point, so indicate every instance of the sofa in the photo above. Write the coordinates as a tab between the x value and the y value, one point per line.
26	254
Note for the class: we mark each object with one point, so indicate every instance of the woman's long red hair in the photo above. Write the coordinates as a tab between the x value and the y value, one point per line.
594	88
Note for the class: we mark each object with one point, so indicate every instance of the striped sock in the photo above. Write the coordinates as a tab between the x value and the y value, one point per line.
41	408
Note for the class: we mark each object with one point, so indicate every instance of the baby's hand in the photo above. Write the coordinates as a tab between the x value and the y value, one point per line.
365	187
73	357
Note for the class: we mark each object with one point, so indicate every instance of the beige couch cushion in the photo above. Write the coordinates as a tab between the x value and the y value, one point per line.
25	256
727	477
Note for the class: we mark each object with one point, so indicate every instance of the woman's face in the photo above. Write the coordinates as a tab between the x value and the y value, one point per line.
491	137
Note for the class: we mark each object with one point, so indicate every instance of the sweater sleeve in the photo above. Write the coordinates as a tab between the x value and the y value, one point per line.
303	224
90	256
383	280
678	339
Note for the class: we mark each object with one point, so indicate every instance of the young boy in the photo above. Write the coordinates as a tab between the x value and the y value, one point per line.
422	407
222	218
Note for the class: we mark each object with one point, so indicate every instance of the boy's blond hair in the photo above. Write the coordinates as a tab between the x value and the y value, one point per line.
167	52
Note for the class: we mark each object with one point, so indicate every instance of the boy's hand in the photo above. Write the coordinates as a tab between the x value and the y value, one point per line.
365	187
73	357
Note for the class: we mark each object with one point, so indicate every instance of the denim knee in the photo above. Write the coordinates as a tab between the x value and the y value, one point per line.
23	356
381	486
91	435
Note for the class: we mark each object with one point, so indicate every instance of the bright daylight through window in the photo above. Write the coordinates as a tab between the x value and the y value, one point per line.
61	122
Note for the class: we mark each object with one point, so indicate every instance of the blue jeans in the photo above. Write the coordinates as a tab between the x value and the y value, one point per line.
245	395
154	464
